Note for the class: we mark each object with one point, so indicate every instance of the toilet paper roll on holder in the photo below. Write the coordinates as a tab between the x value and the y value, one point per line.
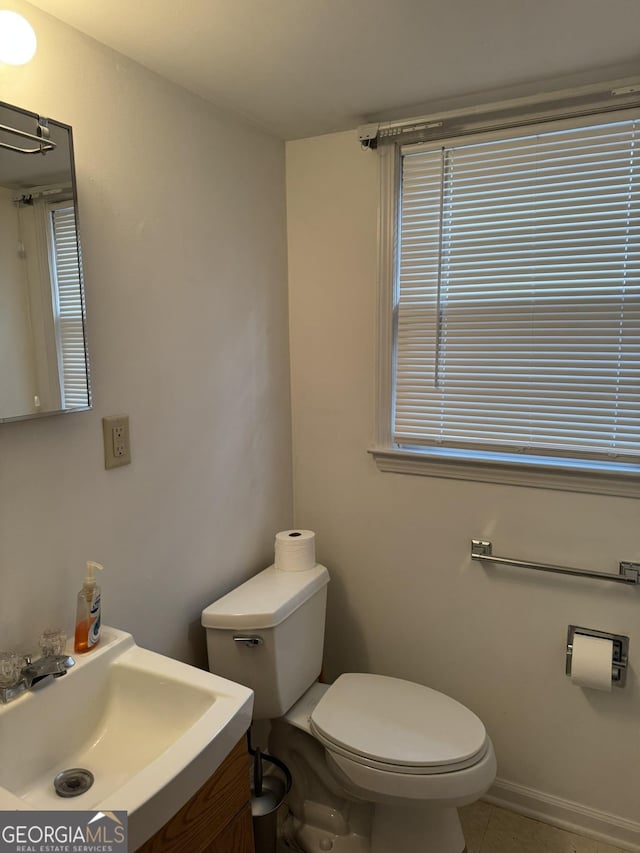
620	657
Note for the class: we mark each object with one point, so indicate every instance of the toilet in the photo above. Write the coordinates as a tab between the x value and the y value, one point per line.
379	764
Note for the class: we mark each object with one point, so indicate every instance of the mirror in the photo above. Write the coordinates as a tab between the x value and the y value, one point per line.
43	355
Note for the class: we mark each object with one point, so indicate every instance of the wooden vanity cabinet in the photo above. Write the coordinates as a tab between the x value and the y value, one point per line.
217	819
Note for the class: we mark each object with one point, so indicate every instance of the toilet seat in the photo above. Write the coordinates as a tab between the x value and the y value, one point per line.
412	770
397	726
454	788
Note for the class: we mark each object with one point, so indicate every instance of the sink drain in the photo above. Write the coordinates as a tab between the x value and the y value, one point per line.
72	783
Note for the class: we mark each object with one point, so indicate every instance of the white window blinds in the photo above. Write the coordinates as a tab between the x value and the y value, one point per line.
517	304
69	315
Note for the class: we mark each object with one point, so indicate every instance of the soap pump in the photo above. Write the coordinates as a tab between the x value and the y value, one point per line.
88	612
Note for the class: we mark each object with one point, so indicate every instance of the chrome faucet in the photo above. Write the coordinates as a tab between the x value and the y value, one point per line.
33	672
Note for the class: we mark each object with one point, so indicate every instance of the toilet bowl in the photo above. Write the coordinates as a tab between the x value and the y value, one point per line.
411	753
379	764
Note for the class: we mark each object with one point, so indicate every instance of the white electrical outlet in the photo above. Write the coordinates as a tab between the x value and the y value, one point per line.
117	449
119	445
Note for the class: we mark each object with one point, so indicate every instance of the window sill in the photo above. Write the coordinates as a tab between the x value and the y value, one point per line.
560	475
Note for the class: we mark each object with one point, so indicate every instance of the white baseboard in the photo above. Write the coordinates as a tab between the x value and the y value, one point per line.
565	814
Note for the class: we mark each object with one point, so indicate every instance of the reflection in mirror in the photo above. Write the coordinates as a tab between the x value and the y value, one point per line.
43	355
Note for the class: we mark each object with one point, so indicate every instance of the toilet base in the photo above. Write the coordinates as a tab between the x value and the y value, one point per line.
314	839
408	829
413	829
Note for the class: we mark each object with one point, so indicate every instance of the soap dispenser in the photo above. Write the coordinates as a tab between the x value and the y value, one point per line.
88	612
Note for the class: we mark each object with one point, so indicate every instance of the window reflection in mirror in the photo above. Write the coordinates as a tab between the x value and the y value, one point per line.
43	363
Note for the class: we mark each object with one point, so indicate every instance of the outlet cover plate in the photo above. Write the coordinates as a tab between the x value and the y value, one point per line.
115	435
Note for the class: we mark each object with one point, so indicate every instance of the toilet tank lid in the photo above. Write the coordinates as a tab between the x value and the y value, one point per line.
265	600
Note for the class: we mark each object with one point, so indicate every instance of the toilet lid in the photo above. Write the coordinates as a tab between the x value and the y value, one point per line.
398	723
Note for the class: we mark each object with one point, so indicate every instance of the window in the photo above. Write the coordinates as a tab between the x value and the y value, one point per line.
67	305
515	330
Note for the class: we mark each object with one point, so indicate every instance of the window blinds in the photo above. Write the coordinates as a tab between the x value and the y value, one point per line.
517	310
70	317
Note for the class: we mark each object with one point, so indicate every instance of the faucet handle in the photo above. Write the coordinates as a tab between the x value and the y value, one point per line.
53	641
10	669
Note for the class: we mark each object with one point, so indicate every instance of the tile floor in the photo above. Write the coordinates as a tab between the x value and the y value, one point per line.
489	829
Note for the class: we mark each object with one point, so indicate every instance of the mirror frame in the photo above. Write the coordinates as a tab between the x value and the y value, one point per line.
74	191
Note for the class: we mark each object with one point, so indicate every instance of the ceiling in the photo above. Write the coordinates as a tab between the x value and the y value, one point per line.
305	67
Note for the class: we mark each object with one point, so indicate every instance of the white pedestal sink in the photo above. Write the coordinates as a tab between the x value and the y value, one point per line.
152	730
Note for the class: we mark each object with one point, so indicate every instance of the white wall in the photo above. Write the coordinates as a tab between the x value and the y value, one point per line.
405	599
182	218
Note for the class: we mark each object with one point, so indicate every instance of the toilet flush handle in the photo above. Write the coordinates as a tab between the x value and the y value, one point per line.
249	640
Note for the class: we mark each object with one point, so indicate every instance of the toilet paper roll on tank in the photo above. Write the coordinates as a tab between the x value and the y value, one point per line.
295	550
591	662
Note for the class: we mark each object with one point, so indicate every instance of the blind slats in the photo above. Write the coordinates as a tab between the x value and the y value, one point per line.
517	316
70	315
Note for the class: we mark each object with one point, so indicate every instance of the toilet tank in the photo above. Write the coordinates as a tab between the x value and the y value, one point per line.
268	634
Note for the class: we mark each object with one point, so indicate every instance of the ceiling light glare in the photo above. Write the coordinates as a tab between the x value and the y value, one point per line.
17	39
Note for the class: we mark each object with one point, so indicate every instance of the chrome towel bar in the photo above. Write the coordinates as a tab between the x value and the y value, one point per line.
629	573
41	136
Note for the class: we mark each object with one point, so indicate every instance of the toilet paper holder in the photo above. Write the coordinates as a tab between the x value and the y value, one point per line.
620	659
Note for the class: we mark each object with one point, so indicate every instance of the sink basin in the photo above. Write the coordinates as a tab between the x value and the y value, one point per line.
150	729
